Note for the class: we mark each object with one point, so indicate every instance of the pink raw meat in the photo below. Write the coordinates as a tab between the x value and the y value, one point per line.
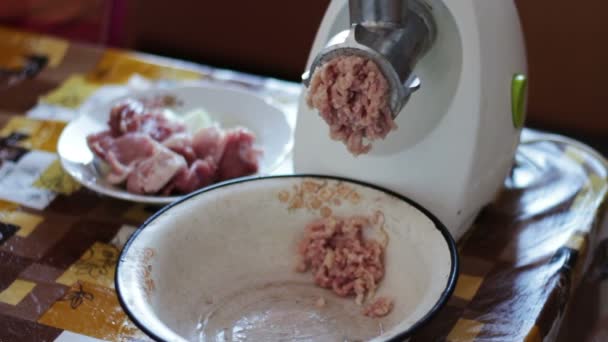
200	174
181	143
159	127
209	142
379	308
124	117
100	143
351	95
152	174
122	153
239	157
154	154
341	258
131	116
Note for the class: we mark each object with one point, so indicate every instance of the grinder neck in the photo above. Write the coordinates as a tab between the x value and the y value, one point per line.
379	12
400	31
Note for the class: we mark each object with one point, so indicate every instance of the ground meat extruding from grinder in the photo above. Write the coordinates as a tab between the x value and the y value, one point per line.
340	258
352	96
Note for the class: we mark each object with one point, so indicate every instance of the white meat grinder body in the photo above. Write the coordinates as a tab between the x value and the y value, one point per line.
458	133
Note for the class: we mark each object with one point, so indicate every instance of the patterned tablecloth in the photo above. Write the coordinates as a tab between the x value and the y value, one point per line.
521	263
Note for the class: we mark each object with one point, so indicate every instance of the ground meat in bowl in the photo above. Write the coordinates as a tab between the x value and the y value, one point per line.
352	96
342	259
379	308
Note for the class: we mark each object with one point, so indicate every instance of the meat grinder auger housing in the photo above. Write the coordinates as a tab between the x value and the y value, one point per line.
457	74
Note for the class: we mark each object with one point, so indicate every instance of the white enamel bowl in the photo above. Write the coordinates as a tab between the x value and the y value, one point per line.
228	105
219	264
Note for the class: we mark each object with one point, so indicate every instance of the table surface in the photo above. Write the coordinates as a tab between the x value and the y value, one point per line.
521	262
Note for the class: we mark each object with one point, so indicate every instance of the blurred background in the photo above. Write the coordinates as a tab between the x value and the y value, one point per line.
566	42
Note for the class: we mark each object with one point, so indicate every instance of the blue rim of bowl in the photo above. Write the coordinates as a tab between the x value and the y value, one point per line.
443	299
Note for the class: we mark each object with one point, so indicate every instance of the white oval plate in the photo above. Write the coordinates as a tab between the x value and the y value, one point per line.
229	106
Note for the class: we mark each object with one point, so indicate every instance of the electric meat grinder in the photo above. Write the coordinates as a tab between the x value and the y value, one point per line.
456	71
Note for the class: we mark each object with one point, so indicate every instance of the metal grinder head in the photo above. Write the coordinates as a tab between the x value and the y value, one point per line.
395	34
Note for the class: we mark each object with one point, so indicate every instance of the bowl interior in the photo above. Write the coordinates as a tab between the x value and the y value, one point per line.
221	263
